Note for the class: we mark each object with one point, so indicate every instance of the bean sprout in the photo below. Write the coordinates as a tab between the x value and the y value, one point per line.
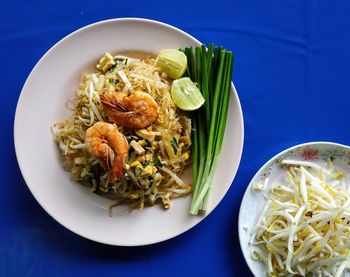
304	227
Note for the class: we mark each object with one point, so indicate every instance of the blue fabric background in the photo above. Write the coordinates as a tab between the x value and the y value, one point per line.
292	74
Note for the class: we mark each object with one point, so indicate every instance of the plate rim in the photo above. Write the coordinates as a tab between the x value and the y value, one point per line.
267	163
19	105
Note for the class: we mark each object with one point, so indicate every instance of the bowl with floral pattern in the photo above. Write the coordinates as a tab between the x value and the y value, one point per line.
272	172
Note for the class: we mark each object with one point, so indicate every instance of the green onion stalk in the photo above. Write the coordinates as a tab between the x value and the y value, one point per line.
211	68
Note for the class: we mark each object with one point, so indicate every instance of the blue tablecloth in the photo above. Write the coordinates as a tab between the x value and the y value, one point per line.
292	74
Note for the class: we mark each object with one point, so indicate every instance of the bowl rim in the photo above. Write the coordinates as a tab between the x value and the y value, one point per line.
16	131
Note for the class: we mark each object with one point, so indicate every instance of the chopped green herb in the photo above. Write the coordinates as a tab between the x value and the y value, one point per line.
112	68
126	61
148	142
114	81
116	62
174	145
156	160
132	135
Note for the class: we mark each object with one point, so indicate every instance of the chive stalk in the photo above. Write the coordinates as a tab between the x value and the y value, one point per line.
194	150
211	68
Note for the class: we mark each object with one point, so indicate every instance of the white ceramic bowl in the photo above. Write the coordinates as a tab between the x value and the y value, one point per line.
52	81
253	201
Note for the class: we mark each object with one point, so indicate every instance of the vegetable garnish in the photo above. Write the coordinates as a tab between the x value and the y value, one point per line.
174	144
304	228
211	68
172	62
156	160
114	81
186	95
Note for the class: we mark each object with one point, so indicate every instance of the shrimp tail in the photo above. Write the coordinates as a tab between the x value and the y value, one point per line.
110	158
117	169
119	161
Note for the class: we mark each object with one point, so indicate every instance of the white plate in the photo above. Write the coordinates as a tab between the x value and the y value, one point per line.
53	80
253	200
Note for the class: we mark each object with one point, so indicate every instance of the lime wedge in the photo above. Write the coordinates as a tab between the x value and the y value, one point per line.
172	62
186	95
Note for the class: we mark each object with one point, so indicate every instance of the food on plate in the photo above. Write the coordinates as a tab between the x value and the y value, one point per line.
304	227
126	137
130	134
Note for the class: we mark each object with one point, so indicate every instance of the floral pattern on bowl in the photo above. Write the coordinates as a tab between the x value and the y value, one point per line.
314	152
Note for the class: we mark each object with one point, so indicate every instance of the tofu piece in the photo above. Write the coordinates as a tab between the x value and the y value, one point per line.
105	63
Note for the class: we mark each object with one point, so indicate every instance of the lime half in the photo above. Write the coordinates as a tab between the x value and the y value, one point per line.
172	62
186	95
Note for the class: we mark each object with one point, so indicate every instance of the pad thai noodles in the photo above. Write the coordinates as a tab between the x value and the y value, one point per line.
126	138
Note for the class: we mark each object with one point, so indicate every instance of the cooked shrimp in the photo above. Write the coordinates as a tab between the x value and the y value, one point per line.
136	111
110	146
